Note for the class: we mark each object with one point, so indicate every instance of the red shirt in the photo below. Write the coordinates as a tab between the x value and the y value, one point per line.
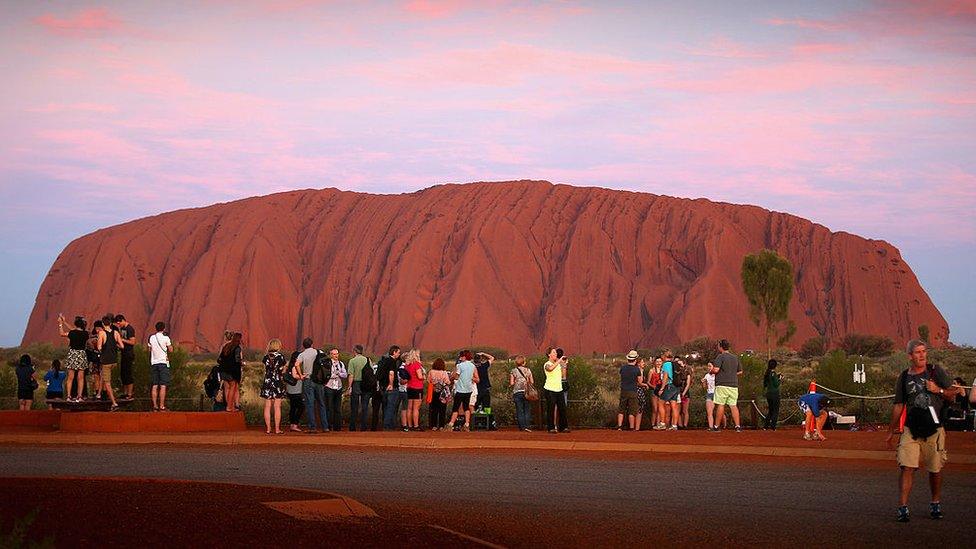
414	382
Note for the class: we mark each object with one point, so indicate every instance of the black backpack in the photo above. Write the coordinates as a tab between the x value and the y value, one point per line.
321	368
211	385
368	384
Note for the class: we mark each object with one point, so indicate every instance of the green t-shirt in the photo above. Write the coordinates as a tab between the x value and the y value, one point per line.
355	367
771	382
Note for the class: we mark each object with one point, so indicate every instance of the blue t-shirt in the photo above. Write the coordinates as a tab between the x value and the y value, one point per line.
812	401
669	369
465	372
55	381
628	377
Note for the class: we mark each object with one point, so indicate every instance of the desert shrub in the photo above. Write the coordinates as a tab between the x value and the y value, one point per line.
867	345
836	371
750	382
813	347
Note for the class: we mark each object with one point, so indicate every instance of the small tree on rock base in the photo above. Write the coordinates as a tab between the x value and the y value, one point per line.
767	279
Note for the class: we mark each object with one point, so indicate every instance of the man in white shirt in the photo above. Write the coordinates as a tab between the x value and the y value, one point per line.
333	391
159	348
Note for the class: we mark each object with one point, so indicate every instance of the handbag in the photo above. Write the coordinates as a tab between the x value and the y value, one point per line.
531	393
289	378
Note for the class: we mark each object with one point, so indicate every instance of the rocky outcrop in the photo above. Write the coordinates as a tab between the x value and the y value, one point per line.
518	265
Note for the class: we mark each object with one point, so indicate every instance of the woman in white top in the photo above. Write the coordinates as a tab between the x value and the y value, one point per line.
708	383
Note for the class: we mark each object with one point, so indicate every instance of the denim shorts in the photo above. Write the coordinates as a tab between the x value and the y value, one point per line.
160	374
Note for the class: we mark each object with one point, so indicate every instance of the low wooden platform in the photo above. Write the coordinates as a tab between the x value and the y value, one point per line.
86	405
121	422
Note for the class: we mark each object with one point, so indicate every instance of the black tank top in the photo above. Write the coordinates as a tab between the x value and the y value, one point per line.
110	351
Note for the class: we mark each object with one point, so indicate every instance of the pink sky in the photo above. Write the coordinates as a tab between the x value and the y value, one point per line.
858	115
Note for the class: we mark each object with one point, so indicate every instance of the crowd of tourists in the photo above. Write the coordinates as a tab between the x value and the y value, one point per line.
382	395
86	373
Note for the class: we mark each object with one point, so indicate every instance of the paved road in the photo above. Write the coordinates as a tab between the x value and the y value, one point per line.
562	499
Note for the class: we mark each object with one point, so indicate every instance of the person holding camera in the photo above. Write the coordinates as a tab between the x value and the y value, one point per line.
771	383
555	401
484	383
159	348
921	393
77	359
109	343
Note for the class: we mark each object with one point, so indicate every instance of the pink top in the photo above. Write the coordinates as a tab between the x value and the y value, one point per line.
415	382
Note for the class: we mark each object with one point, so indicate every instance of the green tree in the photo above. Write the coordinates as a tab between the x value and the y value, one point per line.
767	279
923	333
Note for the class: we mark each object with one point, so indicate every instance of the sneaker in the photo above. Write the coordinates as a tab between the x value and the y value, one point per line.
806	436
659	427
405	429
565	430
673	428
553	431
738	428
902	514
527	430
935	510
620	428
713	429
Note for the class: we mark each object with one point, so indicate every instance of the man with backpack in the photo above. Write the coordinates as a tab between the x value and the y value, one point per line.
361	387
313	365
921	392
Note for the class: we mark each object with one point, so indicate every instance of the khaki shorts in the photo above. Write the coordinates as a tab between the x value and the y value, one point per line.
628	403
726	395
931	450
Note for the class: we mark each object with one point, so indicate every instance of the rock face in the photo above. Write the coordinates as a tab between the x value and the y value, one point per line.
518	265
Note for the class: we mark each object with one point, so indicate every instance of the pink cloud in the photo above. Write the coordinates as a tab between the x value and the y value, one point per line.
56	108
86	22
942	25
728	49
813	24
433	9
505	65
793	76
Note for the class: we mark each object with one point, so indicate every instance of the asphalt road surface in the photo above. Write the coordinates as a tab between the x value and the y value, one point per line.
559	498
